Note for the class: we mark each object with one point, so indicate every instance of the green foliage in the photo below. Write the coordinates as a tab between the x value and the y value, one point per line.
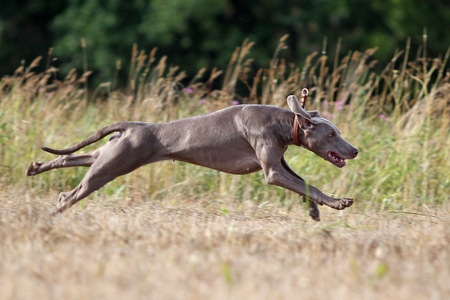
203	33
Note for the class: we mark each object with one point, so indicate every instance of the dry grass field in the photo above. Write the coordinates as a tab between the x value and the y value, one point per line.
194	249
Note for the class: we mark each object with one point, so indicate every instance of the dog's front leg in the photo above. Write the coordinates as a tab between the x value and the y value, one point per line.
313	210
277	174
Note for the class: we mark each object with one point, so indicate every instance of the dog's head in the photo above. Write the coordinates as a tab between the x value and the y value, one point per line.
320	136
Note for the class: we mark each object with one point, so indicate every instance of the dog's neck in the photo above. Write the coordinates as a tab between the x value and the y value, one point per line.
298	136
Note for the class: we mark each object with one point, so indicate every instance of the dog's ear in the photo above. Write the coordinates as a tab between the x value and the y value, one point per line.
295	106
306	124
314	114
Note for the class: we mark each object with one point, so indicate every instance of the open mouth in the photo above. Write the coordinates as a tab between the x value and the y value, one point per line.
336	160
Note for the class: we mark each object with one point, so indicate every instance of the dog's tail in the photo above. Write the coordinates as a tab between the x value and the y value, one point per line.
116	127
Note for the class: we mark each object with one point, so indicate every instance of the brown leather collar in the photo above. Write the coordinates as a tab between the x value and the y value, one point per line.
295	131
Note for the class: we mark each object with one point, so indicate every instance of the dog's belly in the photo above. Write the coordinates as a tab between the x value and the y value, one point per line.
238	168
228	162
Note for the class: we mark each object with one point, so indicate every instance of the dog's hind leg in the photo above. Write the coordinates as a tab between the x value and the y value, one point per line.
115	160
63	161
88	185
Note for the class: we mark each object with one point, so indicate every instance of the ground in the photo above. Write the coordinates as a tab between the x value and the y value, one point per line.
219	249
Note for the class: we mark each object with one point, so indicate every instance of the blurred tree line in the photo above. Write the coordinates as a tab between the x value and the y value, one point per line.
203	33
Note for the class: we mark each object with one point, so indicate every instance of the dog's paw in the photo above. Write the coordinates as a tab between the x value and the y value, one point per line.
313	210
314	213
343	203
33	168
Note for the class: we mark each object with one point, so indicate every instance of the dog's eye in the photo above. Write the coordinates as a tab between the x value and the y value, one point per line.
331	134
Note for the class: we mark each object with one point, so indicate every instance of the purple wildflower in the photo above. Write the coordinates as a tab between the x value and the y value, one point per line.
188	90
384	117
235	102
327	115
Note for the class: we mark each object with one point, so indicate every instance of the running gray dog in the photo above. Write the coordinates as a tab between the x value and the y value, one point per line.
239	140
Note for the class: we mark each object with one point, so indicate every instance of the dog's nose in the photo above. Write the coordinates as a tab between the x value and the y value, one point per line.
355	151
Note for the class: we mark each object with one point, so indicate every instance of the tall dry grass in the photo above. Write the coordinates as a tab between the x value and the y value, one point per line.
399	120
